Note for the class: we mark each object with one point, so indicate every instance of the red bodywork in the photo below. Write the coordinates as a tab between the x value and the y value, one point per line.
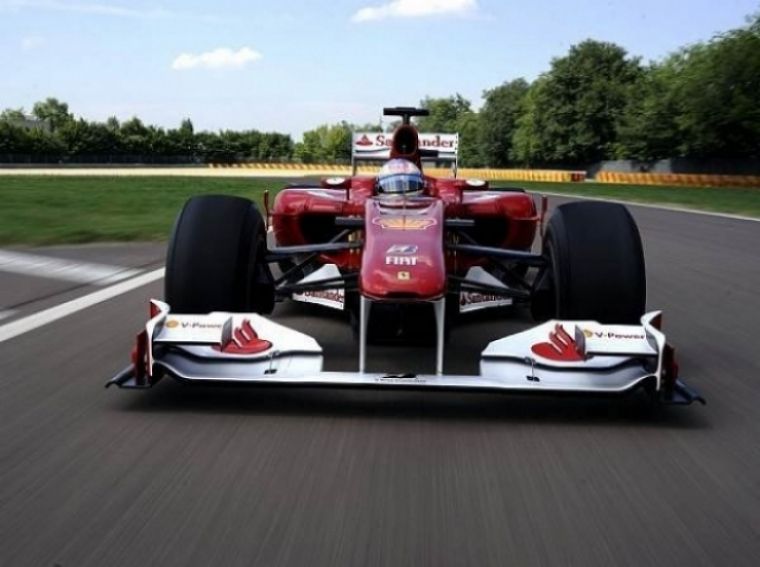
414	226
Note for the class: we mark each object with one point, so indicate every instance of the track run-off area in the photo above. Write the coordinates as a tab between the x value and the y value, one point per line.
274	476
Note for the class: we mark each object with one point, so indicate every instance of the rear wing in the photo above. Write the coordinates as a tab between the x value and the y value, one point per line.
373	147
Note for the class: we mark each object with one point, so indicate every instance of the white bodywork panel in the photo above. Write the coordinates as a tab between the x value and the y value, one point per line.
197	342
584	353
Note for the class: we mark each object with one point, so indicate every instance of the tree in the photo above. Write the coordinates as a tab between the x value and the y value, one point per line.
529	144
337	142
444	113
13	115
368	127
53	111
181	141
13	138
18	139
498	121
310	149
135	137
577	105
325	143
702	102
81	138
470	150
112	123
648	128
186	127
454	115
719	94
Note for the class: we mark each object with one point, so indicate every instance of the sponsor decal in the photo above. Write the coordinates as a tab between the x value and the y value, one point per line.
612	335
326	294
438	141
406	249
173	324
560	347
401	260
404	223
401	379
382	140
474	301
474	298
404	276
333	298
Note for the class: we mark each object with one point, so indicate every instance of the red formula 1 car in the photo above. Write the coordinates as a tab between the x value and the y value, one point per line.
406	255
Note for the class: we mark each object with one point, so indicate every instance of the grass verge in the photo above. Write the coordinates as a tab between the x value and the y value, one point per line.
57	210
37	210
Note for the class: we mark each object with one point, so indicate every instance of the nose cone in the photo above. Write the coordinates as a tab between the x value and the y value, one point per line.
403	252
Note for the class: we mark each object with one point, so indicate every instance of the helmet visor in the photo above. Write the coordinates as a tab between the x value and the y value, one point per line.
400	183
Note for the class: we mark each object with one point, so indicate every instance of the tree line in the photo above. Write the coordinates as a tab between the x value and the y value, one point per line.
595	103
53	133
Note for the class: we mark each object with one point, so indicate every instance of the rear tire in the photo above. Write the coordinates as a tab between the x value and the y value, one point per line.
596	265
216	258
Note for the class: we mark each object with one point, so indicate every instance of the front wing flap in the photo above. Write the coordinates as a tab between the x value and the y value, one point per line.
557	357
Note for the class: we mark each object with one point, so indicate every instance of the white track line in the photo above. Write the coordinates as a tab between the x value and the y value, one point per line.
36	320
652	206
59	269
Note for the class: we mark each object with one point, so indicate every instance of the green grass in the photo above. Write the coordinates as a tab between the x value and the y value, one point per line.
56	210
38	210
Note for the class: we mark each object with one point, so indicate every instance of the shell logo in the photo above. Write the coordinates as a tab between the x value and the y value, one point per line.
172	323
404	223
364	141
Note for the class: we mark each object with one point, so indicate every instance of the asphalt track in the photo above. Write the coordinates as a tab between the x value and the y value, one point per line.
189	476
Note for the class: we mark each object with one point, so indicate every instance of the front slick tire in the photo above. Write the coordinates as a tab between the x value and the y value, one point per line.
216	258
596	265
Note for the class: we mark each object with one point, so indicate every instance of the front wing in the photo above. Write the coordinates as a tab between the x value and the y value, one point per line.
557	357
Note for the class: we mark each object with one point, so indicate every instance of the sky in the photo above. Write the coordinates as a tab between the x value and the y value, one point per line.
289	66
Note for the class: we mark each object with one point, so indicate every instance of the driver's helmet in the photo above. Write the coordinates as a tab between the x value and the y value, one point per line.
400	177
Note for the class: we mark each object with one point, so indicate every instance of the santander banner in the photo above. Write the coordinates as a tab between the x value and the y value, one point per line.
377	145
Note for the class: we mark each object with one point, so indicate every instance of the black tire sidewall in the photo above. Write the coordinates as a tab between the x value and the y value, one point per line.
212	255
597	263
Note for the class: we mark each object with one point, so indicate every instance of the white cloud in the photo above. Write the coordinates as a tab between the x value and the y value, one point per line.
220	58
414	9
32	42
